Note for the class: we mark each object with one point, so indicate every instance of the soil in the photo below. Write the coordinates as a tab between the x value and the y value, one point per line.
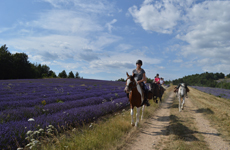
155	131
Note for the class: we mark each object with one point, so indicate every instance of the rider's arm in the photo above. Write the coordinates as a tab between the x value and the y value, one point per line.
143	78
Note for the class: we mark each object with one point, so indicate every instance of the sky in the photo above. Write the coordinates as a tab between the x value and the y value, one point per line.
103	39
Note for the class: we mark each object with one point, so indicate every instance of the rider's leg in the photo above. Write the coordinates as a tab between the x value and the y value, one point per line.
178	86
146	95
186	90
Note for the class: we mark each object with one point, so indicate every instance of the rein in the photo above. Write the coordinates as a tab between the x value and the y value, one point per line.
133	86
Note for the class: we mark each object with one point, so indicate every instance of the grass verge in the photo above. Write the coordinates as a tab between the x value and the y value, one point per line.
182	131
215	109
110	132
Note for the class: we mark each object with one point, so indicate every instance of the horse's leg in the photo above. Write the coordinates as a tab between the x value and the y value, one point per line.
179	103
156	100
183	103
137	116
131	113
143	108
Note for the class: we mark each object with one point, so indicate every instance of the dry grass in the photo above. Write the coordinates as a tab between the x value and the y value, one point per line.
111	132
182	131
215	109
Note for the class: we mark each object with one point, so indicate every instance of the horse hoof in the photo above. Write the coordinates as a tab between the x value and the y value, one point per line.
133	124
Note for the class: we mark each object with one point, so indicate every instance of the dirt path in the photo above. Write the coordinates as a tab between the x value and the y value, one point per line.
155	129
211	135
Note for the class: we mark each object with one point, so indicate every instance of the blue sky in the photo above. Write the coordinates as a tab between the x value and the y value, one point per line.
103	39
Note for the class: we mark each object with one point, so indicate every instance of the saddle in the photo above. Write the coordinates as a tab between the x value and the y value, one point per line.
142	89
149	95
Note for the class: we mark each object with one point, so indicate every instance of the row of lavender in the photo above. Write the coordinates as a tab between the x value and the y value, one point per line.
57	102
224	93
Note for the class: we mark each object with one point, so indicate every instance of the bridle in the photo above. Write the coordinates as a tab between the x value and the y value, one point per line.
133	85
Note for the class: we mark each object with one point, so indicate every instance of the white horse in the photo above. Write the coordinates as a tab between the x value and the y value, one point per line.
181	95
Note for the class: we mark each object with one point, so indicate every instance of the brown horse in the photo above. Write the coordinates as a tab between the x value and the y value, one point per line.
157	91
136	97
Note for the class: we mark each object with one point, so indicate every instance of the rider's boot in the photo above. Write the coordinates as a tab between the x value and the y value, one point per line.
146	102
186	94
146	98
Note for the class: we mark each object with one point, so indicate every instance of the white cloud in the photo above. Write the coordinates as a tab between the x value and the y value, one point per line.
92	6
204	28
208	35
121	62
123	47
161	67
65	21
158	16
109	25
178	60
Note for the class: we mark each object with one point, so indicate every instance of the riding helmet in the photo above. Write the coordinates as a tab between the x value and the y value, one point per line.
139	62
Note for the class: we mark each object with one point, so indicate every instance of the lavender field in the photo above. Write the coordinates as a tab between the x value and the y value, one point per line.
224	93
58	102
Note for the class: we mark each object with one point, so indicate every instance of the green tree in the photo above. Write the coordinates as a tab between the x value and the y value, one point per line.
21	65
121	79
17	66
149	80
62	74
77	75
71	75
52	74
228	75
6	63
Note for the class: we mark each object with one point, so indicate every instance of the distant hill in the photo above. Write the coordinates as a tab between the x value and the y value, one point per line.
205	79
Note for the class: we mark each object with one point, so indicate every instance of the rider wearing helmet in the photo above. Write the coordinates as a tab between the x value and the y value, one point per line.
157	79
139	75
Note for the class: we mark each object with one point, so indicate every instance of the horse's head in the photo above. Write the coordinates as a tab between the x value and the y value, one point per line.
130	83
182	84
154	86
181	90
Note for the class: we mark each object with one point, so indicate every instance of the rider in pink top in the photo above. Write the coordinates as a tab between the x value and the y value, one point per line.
157	79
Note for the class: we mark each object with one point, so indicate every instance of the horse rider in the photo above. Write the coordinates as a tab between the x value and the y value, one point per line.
157	80
139	75
186	87
162	82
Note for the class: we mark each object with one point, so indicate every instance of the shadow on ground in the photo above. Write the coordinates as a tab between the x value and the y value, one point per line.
205	111
176	128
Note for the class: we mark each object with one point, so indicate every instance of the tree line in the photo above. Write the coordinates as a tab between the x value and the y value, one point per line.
17	66
205	79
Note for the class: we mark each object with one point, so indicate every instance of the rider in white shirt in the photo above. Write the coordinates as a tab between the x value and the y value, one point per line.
161	81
